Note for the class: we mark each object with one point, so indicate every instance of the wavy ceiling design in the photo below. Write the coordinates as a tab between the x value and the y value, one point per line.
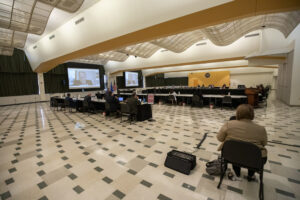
180	42
221	35
227	33
20	17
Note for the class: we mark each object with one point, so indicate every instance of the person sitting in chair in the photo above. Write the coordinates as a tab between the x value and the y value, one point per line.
113	102
133	103
244	129
68	98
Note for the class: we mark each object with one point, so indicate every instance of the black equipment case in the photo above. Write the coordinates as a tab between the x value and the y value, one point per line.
180	161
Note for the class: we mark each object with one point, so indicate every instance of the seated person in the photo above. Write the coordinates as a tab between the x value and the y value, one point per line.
173	96
68	98
98	95
88	98
244	129
133	103
113	102
224	86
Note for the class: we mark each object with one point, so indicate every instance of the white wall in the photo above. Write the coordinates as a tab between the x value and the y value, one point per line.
288	75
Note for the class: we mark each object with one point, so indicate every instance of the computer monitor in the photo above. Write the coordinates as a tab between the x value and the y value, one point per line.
121	99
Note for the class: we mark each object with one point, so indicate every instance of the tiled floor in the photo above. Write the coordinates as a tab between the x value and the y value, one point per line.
49	154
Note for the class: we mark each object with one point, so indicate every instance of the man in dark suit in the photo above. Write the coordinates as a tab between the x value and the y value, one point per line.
69	99
88	98
133	103
113	102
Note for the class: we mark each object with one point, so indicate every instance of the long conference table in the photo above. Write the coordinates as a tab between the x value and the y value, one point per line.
144	110
208	98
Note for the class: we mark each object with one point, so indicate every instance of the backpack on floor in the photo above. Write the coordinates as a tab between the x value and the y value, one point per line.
214	167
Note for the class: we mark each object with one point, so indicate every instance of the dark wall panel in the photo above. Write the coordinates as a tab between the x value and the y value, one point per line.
159	80
16	75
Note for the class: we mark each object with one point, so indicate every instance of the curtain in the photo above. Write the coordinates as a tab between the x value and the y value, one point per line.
16	75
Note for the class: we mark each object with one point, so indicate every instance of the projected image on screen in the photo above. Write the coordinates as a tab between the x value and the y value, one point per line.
131	79
83	78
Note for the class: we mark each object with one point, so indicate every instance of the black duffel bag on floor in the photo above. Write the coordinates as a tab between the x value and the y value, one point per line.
180	161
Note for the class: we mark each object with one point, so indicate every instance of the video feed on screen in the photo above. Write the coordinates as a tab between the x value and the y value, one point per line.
83	78
131	79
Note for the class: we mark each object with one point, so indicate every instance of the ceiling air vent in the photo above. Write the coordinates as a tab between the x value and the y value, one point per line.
51	37
201	43
252	35
79	20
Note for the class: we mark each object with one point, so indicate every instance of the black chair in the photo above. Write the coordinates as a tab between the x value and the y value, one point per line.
124	111
226	100
88	107
243	154
56	104
133	109
172	99
197	101
67	105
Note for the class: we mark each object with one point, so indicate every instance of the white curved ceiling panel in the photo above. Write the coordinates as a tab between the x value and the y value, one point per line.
144	50
180	42
227	33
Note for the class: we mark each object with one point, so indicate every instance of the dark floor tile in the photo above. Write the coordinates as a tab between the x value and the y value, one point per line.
91	160
78	189
146	183
107	180
130	171
208	177
98	169
163	197
72	176
153	164
5	195
293	180
9	181
169	174
285	193
64	158
42	185
40	163
119	194
12	170
189	187
41	172
234	189
43	198
68	166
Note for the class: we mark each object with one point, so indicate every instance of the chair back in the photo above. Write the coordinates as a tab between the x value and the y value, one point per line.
227	99
124	108
85	104
67	103
55	102
244	154
107	106
171	97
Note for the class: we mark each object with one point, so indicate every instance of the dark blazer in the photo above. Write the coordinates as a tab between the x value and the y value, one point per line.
88	98
133	104
113	102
